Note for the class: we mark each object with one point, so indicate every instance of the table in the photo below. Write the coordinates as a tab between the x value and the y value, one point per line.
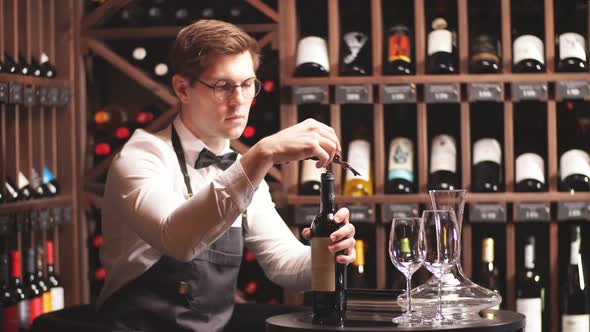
502	321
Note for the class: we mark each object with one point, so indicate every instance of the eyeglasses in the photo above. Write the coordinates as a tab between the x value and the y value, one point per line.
224	89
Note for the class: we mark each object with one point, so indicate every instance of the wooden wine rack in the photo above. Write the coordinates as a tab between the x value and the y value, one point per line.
288	28
34	134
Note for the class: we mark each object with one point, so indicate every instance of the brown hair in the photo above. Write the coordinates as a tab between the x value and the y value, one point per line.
195	43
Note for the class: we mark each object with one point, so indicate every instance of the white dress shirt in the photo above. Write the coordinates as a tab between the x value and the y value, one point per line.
146	213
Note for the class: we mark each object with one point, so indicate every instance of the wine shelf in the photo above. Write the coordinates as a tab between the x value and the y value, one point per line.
162	32
42	203
35	81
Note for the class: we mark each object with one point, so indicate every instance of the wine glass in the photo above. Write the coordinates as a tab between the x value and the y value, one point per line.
406	251
441	241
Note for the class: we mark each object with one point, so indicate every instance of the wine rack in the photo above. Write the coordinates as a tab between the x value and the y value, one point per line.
508	209
39	127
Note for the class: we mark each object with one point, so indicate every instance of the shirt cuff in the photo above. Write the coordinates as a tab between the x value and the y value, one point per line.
238	185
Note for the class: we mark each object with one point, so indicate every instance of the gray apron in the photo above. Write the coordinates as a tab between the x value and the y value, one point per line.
177	296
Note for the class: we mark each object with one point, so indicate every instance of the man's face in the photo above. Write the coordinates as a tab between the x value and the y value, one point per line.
210	117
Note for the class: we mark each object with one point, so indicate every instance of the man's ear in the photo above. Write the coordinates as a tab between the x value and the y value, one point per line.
180	86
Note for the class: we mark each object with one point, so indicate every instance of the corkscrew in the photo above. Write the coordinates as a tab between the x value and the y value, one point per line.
338	160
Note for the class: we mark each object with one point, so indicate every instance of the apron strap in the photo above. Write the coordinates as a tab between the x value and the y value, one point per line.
181	161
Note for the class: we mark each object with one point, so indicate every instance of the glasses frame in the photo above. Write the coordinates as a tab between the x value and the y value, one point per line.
234	86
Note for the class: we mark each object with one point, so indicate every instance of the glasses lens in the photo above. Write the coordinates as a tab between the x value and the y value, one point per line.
223	90
251	88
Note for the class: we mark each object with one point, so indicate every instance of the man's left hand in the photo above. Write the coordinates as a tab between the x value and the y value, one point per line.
342	239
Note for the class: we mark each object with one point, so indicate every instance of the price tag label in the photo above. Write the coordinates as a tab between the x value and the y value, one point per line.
398	93
15	93
3	92
573	211
44	220
67	216
20	222
486	92
572	90
313	94
443	93
5	225
57	213
305	214
533	212
29	96
353	94
399	210
53	96
360	213
64	97
44	96
487	212
529	91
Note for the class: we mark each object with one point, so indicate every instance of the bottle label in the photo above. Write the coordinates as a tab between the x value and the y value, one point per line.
57	298
528	47
323	268
399	47
359	157
530	166
35	308
574	162
313	50
444	154
487	254
575	323
23	314
529	256
310	173
532	309
354	41
401	159
572	45
487	149
10	319
485	47
574	252
440	40
47	302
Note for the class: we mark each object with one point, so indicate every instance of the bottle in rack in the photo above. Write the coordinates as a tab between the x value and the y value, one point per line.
12	194
528	49
47	69
486	173
575	307
400	170
442	41
357	274
50	184
24	66
312	50
488	272
398	43
328	276
571	47
157	13
485	51
18	290
25	189
574	163
10	66
530	293
41	280
529	150
33	288
355	42
359	155
53	279
443	163
310	183
9	298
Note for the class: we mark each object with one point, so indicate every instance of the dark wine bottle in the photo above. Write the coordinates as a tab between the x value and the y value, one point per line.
33	288
54	281
50	184
575	307
12	194
11	67
328	276
488	271
528	49
9	298
571	47
35	68
182	15
529	150
19	291
355	41
24	66
530	293
157	13
399	60
132	15
487	166
574	171
441	48
108	119
47	69
574	163
311	59
310	182
443	163
25	190
485	51
400	168
37	184
530	173
41	280
357	274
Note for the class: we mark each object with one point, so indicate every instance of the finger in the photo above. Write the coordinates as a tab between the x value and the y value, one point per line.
329	147
342	245
318	151
330	134
349	258
342	215
346	231
306	232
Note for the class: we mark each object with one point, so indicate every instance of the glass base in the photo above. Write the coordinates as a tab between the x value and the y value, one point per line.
462	299
408	319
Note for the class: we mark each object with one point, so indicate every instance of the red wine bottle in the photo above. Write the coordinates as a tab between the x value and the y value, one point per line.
33	288
19	291
575	308
9	298
54	281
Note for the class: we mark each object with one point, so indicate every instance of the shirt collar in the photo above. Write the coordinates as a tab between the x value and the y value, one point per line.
191	145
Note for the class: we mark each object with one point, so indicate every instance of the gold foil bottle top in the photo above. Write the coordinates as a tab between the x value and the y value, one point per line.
360	252
487	250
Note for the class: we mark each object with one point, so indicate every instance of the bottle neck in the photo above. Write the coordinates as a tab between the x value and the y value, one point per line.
529	257
327	203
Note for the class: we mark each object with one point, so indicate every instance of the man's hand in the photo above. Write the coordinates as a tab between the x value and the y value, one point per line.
342	239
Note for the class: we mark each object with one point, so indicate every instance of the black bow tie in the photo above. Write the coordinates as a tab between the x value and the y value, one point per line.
208	158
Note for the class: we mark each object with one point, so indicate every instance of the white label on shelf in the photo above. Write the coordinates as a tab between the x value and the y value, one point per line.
312	49
359	157
322	265
572	45
487	149
440	41
309	172
444	154
531	309
57	298
401	159
530	166
528	47
574	162
575	323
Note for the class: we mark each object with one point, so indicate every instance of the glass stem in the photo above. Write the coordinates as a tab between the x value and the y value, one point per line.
439	296
408	289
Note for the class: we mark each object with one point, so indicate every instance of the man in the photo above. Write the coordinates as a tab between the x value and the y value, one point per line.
173	218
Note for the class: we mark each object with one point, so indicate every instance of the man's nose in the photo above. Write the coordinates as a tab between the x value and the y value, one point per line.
237	98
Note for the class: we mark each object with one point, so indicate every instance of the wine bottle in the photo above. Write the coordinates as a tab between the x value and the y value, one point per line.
311	59
310	178
574	171
54	282
32	287
328	276
485	54
25	191
528	49
359	155
400	176
19	291
162	73
571	47
441	50
9	299
357	274
182	15
41	280
24	66
157	13
530	293
575	308
37	184
530	173
11	67
487	166
102	151
108	119
35	67
574	163
12	194
355	42
132	15
488	271
529	150
443	163
47	69
399	60
50	184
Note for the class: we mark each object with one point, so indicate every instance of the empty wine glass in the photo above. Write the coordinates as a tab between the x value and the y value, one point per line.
406	250
441	241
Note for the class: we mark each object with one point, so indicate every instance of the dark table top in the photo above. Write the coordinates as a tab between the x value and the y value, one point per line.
502	321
